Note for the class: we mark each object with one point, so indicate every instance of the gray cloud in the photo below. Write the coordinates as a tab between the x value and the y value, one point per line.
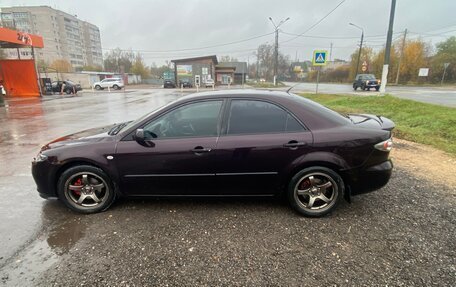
171	25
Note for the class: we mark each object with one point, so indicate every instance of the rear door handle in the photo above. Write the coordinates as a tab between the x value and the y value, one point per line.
200	149
294	144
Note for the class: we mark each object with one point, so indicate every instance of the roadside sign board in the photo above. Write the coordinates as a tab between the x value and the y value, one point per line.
423	72
319	58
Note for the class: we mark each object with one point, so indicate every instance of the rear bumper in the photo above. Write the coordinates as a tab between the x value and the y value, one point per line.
371	178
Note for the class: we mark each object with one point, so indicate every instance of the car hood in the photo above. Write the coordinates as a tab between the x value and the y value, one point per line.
372	121
86	136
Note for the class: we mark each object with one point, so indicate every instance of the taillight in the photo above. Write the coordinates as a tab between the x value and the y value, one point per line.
385	145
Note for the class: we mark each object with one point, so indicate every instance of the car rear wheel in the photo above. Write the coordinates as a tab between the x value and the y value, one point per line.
355	87
377	88
315	191
98	87
85	189
68	91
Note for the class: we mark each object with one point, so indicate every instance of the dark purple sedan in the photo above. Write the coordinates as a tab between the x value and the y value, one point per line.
225	143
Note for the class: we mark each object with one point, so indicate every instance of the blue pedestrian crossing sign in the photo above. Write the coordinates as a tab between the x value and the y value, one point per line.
319	58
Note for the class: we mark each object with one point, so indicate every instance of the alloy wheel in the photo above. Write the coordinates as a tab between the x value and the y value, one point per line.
86	190
316	192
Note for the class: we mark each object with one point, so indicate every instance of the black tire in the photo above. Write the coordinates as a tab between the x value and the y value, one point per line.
68	91
377	88
98	87
116	87
355	87
325	190
97	182
363	87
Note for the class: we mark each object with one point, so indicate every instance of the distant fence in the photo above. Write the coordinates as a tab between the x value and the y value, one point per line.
153	81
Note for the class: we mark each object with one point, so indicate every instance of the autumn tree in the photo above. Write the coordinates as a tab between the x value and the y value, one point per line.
118	61
61	66
367	54
94	68
228	58
157	72
415	56
139	68
376	67
266	60
446	53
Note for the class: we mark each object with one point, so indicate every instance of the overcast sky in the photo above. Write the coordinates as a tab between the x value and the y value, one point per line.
155	26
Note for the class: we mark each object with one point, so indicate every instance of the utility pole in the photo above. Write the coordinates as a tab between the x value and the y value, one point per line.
400	57
258	64
276	46
445	66
388	48
330	51
360	46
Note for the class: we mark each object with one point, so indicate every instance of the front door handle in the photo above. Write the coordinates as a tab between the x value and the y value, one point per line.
294	144
200	149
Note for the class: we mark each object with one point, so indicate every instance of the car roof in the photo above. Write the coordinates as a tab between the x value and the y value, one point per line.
236	93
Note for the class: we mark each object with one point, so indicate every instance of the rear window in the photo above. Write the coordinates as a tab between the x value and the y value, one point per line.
322	110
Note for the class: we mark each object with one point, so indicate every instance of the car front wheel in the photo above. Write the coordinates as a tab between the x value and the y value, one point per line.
98	87
116	87
85	189
315	191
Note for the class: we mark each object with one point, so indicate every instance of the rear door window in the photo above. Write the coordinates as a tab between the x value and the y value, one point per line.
256	117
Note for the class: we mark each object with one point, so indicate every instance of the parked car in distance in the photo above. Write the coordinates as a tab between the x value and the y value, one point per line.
168	84
209	83
222	143
186	83
69	87
114	83
366	82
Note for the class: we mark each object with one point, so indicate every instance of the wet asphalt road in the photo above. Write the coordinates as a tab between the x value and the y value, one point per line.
444	96
400	235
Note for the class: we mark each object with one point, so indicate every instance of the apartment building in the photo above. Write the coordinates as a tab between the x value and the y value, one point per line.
65	36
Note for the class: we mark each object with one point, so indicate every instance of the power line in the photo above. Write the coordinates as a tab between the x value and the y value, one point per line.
199	48
318	22
339	37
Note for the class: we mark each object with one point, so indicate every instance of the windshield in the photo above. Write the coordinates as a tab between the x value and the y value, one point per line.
368	77
131	124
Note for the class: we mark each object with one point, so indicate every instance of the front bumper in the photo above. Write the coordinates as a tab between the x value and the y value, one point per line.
43	173
371	178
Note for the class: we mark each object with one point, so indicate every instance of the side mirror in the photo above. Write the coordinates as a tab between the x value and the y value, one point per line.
140	137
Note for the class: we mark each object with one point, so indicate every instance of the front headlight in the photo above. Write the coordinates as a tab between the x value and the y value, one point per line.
40	157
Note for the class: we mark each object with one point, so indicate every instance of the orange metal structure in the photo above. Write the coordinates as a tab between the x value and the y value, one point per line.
19	77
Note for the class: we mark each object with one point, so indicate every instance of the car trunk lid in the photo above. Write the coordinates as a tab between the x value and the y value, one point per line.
371	121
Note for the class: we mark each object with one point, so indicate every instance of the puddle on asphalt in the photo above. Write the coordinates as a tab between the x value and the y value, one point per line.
62	230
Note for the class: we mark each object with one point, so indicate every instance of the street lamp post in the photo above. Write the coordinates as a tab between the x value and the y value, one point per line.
276	47
360	45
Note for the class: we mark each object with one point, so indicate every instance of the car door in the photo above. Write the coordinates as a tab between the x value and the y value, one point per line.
105	83
259	141
179	155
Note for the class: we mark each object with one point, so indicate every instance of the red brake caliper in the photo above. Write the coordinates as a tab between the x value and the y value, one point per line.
78	182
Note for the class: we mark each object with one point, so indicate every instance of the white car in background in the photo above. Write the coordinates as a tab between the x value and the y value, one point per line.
114	83
209	83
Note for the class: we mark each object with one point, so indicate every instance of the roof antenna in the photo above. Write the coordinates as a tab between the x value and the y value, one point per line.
289	89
